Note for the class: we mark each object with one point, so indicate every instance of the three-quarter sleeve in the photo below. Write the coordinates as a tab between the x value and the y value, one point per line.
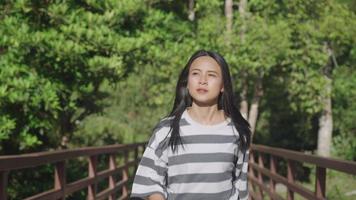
151	174
241	170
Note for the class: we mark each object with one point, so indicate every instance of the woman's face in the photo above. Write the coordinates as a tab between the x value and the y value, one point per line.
205	81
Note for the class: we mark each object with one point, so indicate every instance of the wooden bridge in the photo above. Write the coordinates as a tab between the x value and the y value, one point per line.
123	161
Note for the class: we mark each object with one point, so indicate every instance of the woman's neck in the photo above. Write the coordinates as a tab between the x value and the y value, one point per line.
208	115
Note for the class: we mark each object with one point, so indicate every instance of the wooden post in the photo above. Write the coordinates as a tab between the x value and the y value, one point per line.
92	165
260	178
252	172
320	182
3	184
60	178
136	158
290	177
272	183
112	182
125	175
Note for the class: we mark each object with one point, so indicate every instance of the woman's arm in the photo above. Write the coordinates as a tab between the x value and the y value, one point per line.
241	170
150	178
156	197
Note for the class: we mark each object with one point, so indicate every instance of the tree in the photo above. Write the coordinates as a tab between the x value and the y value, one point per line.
319	36
137	104
54	58
252	58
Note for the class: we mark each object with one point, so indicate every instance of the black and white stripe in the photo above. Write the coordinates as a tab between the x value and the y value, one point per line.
202	169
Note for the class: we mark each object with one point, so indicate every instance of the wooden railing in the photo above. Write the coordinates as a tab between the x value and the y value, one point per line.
59	160
262	187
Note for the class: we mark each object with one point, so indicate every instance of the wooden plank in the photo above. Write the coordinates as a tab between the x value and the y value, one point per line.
265	188
60	178
92	166
252	173
79	185
71	188
320	182
136	158
253	196
260	178
345	166
3	184
109	172
293	186
61	189
125	176
105	193
290	178
82	183
273	169
112	166
23	161
47	195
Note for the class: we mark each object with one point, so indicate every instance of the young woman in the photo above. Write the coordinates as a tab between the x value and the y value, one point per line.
200	150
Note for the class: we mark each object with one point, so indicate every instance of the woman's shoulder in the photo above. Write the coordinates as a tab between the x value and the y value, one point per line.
164	122
161	132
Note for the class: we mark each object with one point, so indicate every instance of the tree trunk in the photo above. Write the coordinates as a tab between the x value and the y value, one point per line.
191	12
244	77
258	93
243	11
243	96
65	130
325	119
229	18
325	124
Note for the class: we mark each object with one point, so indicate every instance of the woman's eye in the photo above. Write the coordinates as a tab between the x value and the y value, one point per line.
212	75
194	73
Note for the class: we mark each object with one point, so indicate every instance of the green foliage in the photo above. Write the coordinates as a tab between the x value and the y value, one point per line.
344	113
54	58
104	72
59	61
137	104
263	47
25	183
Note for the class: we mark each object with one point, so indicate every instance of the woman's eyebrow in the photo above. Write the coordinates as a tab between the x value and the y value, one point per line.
196	69
211	71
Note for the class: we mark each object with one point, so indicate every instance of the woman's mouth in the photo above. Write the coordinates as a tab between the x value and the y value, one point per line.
202	91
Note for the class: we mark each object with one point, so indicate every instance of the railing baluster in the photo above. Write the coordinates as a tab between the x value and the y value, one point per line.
251	172
125	175
3	184
60	177
136	158
92	165
112	182
290	177
320	176
260	178
272	183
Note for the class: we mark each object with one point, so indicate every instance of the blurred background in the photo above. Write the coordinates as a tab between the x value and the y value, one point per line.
92	73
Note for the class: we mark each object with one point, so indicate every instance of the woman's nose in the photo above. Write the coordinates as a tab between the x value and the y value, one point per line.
203	80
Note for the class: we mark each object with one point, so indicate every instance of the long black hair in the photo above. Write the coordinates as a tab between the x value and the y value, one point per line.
226	102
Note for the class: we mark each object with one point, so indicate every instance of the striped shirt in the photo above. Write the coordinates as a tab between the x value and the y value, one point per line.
209	166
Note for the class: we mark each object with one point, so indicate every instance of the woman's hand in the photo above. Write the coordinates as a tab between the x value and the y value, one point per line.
156	197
